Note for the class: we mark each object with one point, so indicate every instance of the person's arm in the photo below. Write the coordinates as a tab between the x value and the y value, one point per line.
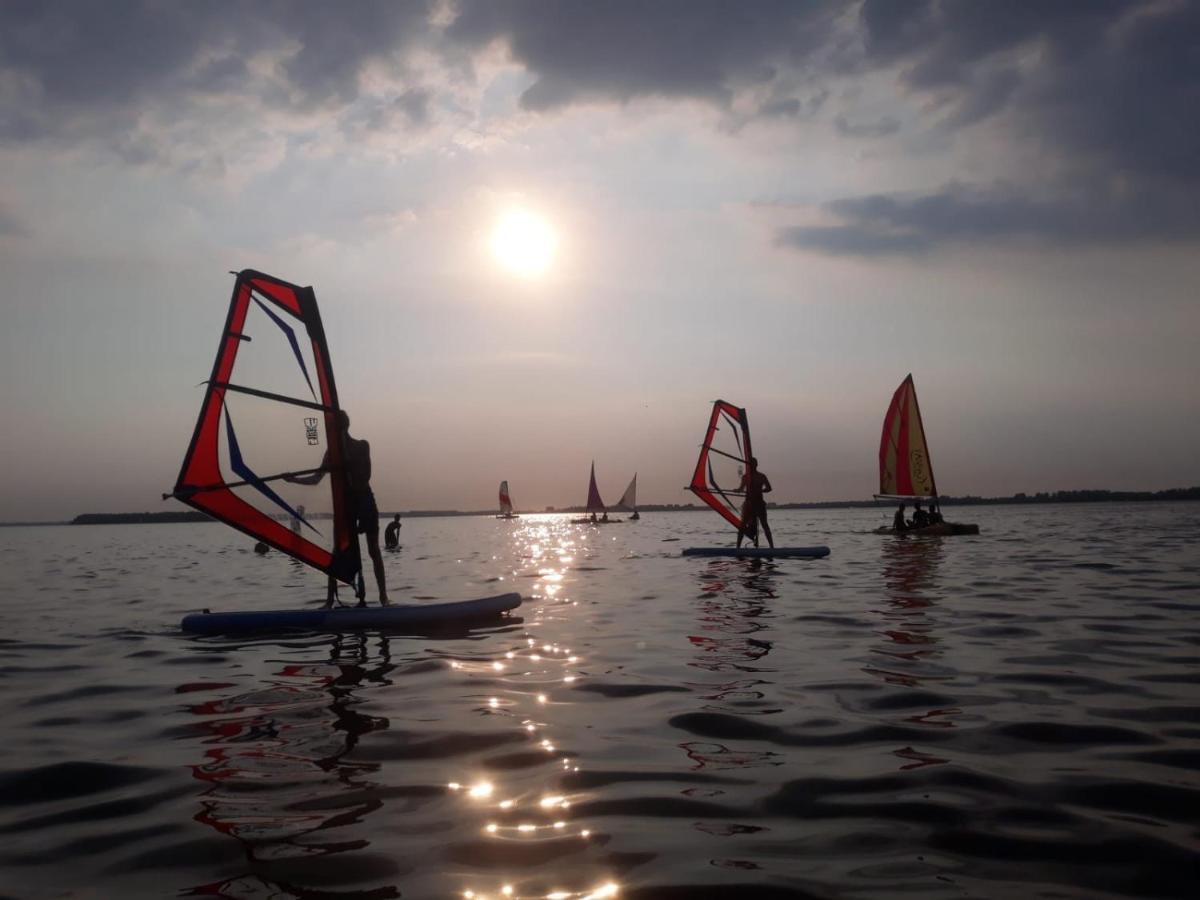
766	484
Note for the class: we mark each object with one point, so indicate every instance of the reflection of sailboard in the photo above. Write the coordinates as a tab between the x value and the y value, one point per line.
271	375
719	480
628	501
506	507
905	469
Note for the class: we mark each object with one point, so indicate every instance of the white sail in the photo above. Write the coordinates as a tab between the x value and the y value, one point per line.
506	506
628	500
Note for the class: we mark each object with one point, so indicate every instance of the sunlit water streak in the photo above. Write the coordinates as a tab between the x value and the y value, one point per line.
1010	715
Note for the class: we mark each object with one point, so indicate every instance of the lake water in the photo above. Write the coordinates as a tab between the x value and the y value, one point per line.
1010	715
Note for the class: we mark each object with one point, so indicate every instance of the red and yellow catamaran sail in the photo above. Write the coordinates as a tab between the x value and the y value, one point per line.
270	410
905	470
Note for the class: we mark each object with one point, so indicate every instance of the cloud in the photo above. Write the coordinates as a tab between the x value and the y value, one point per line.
80	69
870	129
899	224
580	50
9	225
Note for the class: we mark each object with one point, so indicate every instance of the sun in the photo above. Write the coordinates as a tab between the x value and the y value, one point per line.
524	243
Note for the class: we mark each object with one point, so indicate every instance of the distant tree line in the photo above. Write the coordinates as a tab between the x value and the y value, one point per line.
1086	496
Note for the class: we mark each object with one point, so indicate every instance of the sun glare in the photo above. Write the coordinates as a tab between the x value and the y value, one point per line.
524	243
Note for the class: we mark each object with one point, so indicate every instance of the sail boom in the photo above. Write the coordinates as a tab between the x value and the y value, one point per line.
268	395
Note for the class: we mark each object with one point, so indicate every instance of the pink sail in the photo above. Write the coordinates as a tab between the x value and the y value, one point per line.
594	503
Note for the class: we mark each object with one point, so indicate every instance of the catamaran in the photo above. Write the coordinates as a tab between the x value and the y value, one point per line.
719	480
506	507
273	378
905	469
628	501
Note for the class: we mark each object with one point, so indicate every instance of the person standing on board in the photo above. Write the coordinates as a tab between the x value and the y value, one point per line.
391	534
364	512
898	523
754	510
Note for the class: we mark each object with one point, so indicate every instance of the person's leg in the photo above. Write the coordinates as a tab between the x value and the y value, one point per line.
377	561
330	593
762	517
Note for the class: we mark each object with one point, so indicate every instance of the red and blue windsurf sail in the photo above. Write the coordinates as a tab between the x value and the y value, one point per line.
270	410
719	478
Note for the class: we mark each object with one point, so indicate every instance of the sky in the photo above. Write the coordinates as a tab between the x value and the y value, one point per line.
789	206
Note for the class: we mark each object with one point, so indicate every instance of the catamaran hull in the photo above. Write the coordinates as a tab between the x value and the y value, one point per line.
760	552
942	529
425	615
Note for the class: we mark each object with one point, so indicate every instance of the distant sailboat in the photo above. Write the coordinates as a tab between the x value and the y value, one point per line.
506	507
595	506
628	501
905	469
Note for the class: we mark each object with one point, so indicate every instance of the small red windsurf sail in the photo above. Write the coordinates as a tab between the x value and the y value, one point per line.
506	506
724	460
594	504
270	410
905	469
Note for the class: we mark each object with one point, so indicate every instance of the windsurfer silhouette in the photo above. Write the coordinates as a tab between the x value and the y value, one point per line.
754	510
362	501
391	534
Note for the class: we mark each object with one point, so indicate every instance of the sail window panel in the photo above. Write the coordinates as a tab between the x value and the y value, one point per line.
278	357
261	439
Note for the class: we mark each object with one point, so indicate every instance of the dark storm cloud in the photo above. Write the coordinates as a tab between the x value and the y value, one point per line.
67	67
706	49
1088	213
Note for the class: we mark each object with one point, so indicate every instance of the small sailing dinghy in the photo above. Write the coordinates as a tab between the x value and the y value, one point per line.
905	469
506	507
719	481
628	501
273	378
595	506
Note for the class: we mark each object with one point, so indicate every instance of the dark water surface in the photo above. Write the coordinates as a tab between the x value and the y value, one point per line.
1010	715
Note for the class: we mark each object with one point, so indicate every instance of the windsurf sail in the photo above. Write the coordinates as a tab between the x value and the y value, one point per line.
270	410
594	503
628	501
506	506
905	469
723	463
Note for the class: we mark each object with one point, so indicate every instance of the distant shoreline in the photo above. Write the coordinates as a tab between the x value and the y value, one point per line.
1090	496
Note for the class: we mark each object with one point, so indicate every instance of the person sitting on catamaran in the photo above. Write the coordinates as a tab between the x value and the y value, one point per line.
391	534
935	514
920	518
754	510
362	501
898	522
